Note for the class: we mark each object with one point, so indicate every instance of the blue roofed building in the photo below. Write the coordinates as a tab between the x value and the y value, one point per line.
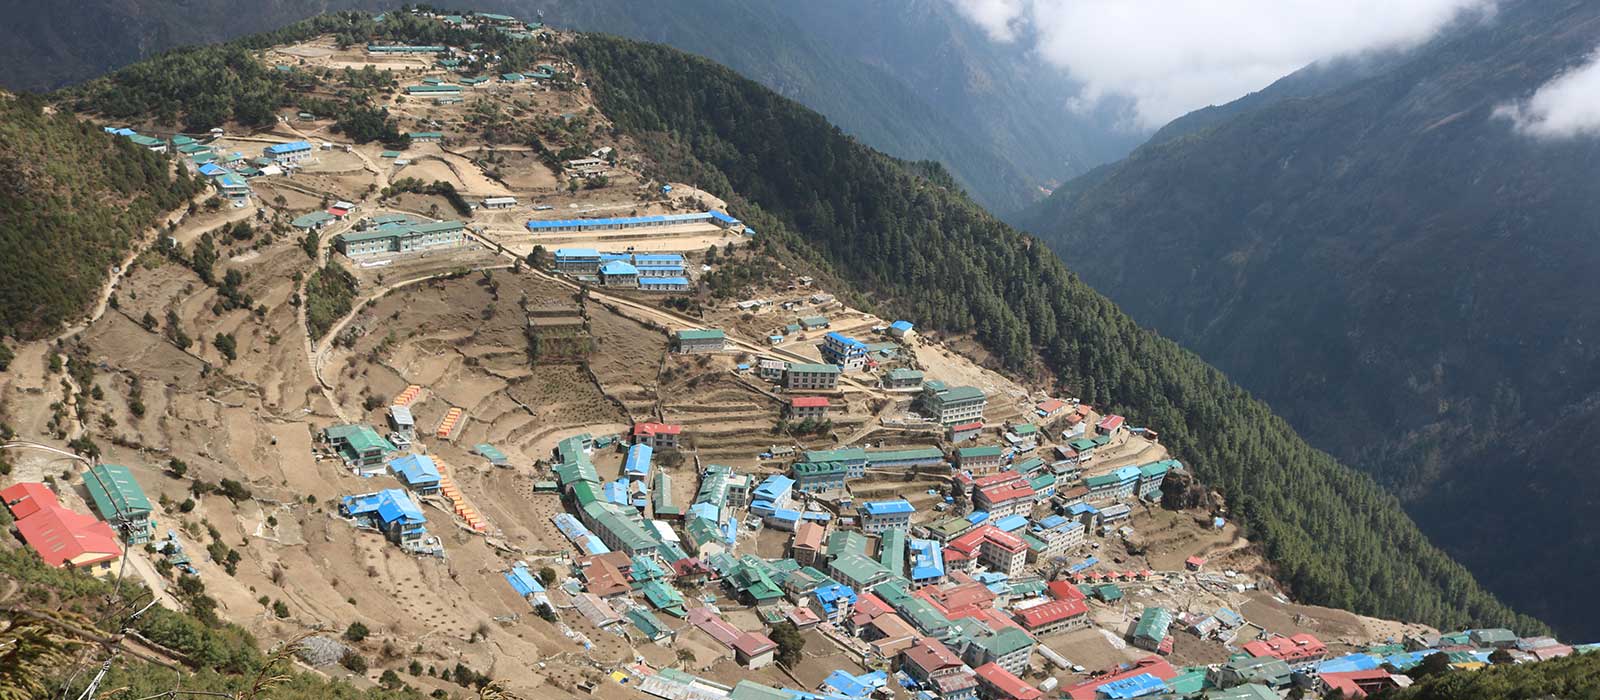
901	329
637	464
877	516
619	274
291	152
1142	685
927	563
658	264
392	512
1011	523
577	261
418	472
842	683
776	490
834	601
664	284
842	350
723	219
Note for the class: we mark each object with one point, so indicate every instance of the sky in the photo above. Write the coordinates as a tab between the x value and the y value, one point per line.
1566	107
1171	57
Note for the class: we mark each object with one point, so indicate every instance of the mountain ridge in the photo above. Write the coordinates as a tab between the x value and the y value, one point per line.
1419	260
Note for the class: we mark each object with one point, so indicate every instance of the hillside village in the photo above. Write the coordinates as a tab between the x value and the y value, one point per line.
535	413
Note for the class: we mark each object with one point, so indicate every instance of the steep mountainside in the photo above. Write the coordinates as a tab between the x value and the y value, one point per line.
923	251
910	77
48	45
72	201
1400	274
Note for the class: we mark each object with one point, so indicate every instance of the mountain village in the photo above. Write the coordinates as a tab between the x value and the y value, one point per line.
548	441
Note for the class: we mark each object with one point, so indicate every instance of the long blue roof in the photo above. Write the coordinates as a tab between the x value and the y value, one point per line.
212	170
620	221
523	582
680	281
395	504
722	217
894	507
617	267
290	147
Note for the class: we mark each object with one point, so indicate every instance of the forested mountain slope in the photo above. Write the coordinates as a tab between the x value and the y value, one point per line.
1403	276
46	45
924	251
910	77
72	200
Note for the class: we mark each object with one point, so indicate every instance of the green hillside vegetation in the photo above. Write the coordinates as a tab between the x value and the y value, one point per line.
1571	677
72	201
919	250
1401	275
217	657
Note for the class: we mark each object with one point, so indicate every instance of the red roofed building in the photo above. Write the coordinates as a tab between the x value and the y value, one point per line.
996	683
1153	665
602	576
718	628
754	650
1359	684
1194	563
964	599
65	538
803	407
867	608
657	435
957	686
27	498
1010	498
1052	617
928	659
691	570
1109	425
966	431
986	544
1298	650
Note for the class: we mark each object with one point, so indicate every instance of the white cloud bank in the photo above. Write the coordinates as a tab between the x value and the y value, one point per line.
1174	56
1568	106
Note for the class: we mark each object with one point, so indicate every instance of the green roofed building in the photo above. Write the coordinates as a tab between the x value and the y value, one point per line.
118	497
694	340
402	238
312	221
1152	628
805	375
902	378
892	550
842	542
358	445
750	690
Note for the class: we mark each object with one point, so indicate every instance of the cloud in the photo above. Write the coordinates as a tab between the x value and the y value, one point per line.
1568	106
1174	56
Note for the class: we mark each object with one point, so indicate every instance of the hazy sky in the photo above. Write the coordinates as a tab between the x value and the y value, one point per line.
1174	56
1565	107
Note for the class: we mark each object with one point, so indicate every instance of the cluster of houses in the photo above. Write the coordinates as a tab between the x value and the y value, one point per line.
225	170
650	272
